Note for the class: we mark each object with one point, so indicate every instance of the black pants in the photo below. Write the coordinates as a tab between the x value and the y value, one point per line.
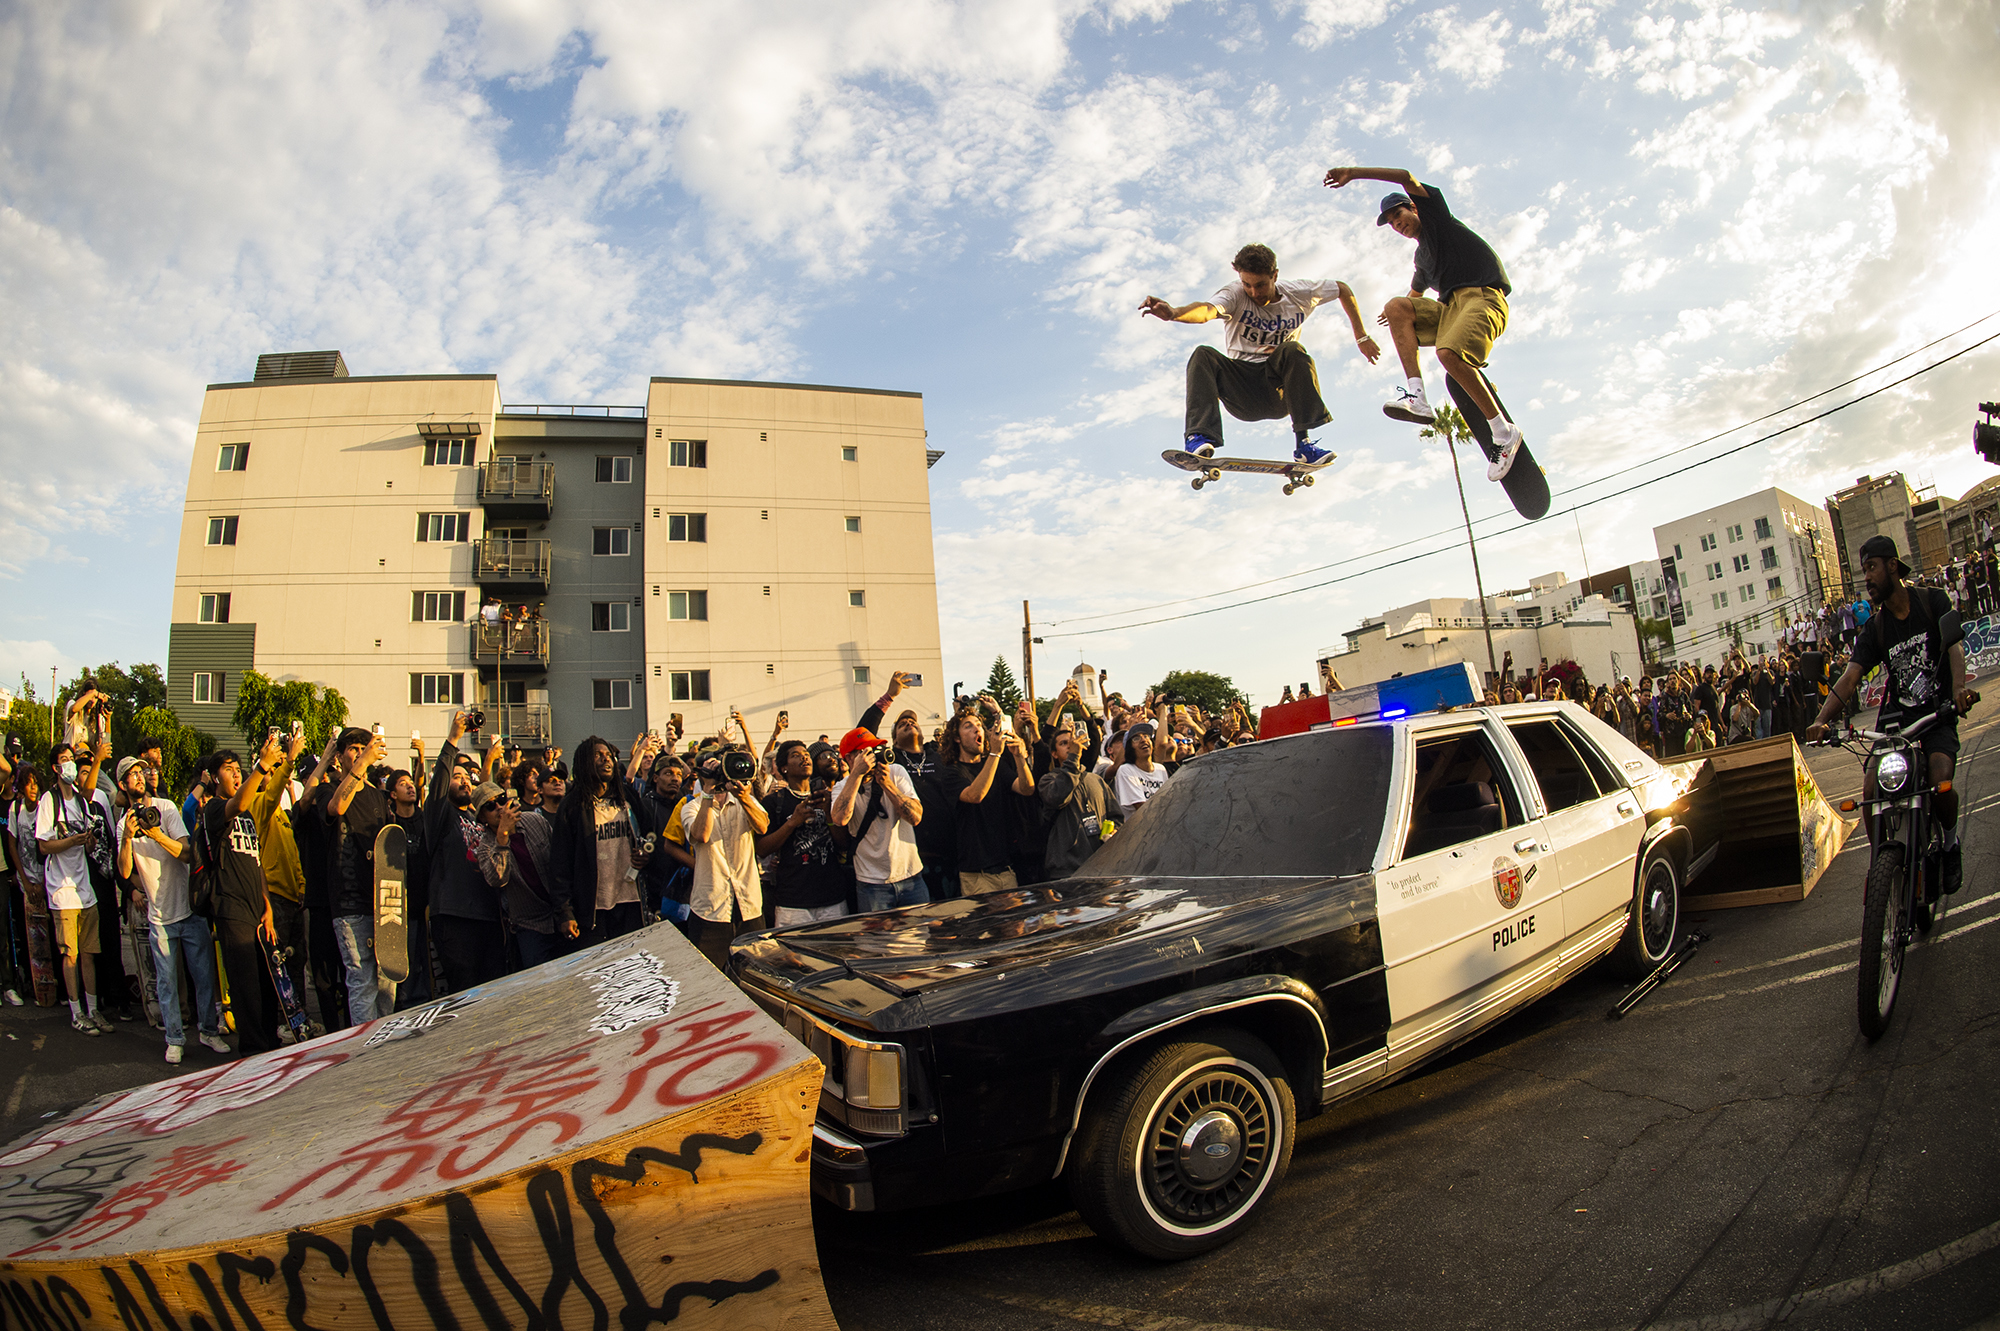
288	918
113	988
713	937
329	977
252	1000
1287	384
621	919
471	952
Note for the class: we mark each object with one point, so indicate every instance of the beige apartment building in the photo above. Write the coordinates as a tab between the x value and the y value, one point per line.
420	545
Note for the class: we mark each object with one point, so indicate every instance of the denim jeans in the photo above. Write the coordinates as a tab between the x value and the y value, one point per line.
369	994
1764	722
537	948
887	896
186	940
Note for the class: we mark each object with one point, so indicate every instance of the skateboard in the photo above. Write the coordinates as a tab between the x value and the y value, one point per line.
1526	484
42	955
226	1015
1296	474
147	979
392	914
281	980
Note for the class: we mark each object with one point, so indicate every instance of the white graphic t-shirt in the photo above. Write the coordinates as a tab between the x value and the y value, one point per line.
1255	331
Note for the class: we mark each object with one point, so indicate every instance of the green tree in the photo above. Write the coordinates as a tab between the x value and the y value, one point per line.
28	720
262	702
1656	639
181	747
1001	685
1212	693
130	693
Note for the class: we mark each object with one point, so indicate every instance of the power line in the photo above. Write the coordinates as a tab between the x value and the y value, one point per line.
1580	485
1638	485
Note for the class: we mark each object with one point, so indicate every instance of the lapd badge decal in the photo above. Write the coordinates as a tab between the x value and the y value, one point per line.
1507	882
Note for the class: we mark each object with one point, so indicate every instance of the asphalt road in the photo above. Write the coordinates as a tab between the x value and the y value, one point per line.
1732	1155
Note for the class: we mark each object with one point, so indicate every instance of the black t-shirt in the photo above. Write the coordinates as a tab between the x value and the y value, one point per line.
1914	648
1761	691
937	837
239	877
351	839
1451	254
983	828
813	870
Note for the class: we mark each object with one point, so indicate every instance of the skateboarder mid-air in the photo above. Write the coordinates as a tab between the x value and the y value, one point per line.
1469	314
1266	373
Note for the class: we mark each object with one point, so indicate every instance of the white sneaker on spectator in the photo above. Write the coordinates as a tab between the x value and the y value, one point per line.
173	1053
1408	406
13	999
1507	440
217	1043
103	1022
79	1022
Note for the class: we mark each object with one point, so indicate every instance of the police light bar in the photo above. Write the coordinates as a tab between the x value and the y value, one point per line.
1426	691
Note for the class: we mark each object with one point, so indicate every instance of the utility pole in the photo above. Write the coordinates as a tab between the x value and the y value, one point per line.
1478	583
1028	655
52	707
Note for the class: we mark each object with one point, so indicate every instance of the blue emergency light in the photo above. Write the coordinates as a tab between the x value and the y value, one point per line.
1426	691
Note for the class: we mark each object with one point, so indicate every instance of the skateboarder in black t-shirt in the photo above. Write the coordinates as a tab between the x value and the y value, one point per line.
1470	311
1916	633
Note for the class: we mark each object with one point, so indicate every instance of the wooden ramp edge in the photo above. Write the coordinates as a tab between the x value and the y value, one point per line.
612	1140
1778	832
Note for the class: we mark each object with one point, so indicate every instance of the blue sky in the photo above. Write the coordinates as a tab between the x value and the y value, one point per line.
1708	210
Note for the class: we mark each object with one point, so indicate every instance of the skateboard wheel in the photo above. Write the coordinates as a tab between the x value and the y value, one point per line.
1214	473
1305	480
1197	482
1289	487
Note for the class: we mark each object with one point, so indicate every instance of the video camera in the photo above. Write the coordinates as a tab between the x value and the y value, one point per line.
731	765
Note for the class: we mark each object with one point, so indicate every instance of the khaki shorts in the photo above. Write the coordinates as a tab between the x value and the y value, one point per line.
76	931
1469	323
979	884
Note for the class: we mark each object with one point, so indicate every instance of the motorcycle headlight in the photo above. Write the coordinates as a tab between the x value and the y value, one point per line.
1892	771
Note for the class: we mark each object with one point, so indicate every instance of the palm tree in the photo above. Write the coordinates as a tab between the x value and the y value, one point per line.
1448	424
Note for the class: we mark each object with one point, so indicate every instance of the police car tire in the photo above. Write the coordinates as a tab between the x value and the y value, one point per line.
1128	1187
1656	916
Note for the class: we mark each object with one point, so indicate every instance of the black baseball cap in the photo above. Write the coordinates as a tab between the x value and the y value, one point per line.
1883	547
1390	203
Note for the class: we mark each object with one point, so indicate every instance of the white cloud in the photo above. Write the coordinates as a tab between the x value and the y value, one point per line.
1324	21
1473	50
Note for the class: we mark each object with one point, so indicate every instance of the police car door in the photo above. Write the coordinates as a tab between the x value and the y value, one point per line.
1471	911
1591	821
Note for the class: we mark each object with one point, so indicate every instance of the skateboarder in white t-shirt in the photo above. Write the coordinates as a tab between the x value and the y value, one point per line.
1266	373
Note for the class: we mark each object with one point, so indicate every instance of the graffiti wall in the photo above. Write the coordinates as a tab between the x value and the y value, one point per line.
617	1137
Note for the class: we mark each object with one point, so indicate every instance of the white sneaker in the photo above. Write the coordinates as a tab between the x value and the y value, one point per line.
103	1022
13	999
1408	406
217	1043
173	1053
1507	442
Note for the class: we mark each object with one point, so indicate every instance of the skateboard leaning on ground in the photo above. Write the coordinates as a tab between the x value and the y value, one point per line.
1526	484
1208	469
147	977
42	956
392	913
281	980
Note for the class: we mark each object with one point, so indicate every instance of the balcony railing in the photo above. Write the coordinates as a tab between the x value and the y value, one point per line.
499	561
508	487
521	726
572	409
511	642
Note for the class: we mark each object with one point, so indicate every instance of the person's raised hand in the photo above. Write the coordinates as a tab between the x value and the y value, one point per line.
458	727
1339	176
898	680
509	816
1156	307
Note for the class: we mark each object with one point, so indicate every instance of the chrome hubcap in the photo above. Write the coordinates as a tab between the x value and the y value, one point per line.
1210	1147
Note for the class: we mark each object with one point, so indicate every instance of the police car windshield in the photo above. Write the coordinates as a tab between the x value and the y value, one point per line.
1310	805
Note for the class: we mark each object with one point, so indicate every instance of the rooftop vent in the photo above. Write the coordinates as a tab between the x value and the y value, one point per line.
301	365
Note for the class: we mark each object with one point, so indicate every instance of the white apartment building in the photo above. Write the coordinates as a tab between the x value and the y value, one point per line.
761	546
1739	572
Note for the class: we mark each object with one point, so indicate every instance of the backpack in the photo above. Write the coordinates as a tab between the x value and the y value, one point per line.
201	868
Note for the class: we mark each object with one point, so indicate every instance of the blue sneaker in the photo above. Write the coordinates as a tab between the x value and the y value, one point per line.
1308	454
1201	445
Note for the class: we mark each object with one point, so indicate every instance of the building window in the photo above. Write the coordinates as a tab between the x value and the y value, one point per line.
614	471
1714	572
610	617
1736	533
848	452
215	608
208	686
1618	594
687	605
1774	589
1718	600
437	607
1763	528
449	452
1708	542
857	598
437	690
861	674
1747	592
222	531
1677	552
233	457
854	524
687	452
688	685
610	541
1770	556
444	527
1741	563
611	695
687	526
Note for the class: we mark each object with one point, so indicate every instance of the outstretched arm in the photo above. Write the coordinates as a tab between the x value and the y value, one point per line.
1361	338
1394	175
1198	313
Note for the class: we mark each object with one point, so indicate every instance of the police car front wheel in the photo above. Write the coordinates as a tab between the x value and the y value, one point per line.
1656	915
1176	1156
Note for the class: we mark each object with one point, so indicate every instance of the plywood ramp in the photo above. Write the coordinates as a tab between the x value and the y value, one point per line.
1779	834
605	1142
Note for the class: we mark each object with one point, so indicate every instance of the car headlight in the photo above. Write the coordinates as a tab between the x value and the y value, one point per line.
866	1082
1892	771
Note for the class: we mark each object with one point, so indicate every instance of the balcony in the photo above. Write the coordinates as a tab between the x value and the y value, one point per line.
508	565
519	726
510	488
512	642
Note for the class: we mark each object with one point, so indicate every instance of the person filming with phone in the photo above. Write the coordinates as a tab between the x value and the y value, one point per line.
989	766
812	876
878	806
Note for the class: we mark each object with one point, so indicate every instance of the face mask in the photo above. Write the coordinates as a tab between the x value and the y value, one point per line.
68	771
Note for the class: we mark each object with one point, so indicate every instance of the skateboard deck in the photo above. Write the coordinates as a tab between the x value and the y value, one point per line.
227	1014
42	956
1296	474
1527	486
281	980
392	913
142	963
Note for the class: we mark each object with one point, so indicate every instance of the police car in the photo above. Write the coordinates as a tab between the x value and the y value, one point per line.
1285	925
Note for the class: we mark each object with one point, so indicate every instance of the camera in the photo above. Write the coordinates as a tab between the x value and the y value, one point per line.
737	765
147	816
475	719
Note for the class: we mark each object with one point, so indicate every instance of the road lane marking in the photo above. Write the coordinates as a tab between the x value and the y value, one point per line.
1754	989
1977	903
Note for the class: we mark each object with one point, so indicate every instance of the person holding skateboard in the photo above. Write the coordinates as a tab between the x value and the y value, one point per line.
1468	316
1266	374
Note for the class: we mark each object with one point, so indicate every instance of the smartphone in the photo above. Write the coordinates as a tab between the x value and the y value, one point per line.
680	726
271	734
784	715
298	729
378	729
913	681
416	736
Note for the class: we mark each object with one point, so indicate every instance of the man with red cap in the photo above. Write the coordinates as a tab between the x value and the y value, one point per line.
878	806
